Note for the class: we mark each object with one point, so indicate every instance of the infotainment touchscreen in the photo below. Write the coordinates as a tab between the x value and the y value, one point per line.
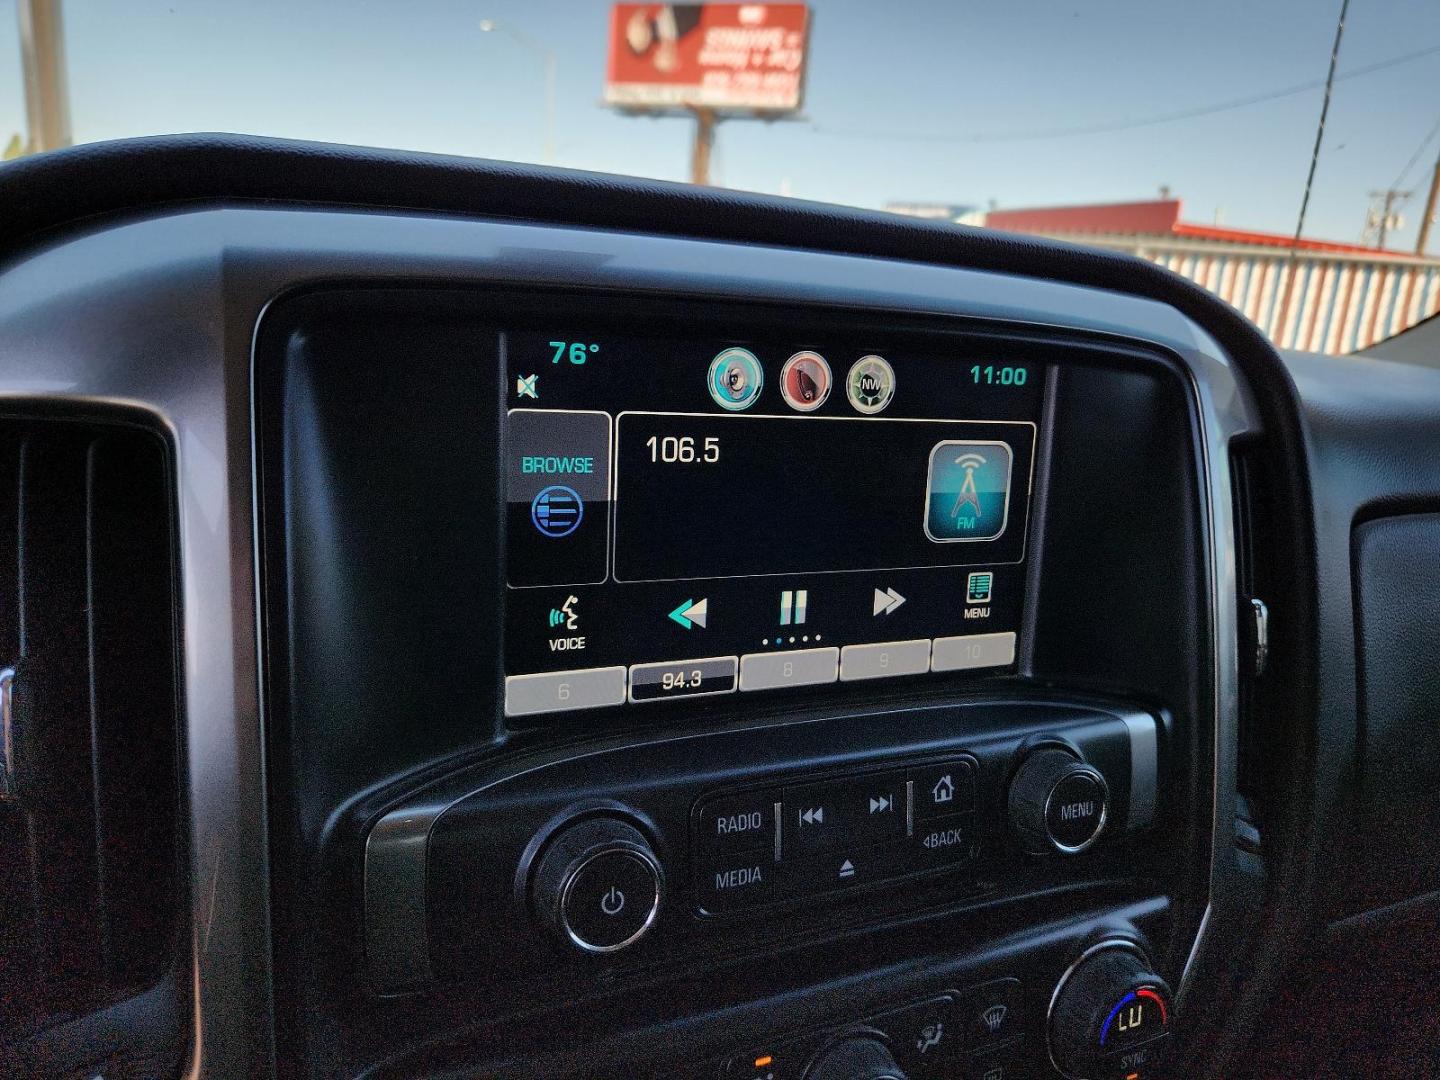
688	518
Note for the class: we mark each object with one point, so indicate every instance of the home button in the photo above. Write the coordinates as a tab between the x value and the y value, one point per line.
944	789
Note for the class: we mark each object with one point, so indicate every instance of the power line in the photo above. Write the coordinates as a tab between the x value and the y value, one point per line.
1405	172
1319	131
1314	163
1121	125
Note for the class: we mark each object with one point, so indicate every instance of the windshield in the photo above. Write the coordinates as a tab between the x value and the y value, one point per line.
1284	154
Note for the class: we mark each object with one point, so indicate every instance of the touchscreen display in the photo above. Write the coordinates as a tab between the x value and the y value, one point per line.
697	517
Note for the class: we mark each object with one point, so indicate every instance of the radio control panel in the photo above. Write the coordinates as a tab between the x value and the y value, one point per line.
646	855
770	844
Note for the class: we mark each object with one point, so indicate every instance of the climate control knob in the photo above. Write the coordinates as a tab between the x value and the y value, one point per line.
1057	802
1110	1016
857	1057
598	885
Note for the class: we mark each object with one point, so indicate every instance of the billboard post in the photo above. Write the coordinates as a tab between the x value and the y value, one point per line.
705	121
709	61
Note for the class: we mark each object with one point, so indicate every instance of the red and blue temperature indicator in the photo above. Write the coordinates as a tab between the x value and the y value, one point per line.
1133	1007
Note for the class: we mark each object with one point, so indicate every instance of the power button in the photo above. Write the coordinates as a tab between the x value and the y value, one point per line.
598	885
611	900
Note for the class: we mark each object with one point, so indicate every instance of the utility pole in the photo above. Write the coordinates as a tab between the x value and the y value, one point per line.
42	54
547	58
1430	208
705	121
1387	219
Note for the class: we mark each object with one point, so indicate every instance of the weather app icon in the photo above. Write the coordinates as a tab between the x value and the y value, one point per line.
968	493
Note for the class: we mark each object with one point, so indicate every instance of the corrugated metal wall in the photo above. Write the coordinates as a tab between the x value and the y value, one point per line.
1340	302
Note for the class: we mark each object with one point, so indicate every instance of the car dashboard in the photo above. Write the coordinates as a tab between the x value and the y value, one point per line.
592	628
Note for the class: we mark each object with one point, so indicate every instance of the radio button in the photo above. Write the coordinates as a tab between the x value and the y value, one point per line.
739	822
884	659
944	789
734	882
973	651
559	691
802	667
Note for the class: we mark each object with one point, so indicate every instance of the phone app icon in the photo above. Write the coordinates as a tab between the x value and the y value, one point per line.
968	493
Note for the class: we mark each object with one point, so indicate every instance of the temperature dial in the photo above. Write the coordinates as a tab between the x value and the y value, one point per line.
859	1057
1110	1016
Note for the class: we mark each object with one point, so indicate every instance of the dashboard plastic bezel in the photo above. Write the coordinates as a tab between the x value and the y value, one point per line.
162	312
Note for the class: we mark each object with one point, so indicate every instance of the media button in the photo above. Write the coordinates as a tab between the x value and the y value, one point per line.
744	822
944	789
560	691
734	882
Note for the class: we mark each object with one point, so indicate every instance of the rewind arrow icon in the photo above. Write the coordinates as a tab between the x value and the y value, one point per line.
691	612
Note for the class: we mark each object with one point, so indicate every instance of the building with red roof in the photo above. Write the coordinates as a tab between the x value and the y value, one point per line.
1313	295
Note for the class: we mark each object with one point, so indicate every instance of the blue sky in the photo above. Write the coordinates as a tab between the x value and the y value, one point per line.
419	74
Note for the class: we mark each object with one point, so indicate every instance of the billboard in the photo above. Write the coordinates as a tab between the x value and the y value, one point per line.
727	57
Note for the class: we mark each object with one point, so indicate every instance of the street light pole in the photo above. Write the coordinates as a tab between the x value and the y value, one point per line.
42	54
547	58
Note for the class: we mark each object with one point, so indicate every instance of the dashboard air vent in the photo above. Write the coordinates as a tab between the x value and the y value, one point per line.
89	795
